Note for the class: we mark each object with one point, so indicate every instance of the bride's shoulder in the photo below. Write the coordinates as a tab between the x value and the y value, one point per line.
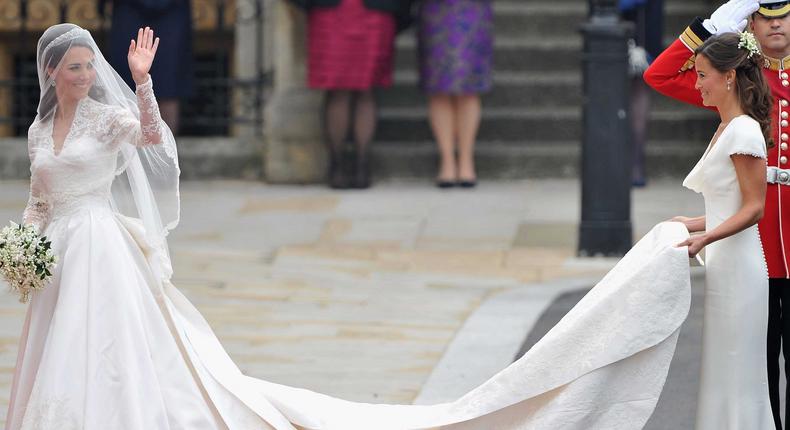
101	110
36	137
107	117
35	130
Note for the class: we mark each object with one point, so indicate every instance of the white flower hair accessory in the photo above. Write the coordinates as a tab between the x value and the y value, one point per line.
749	43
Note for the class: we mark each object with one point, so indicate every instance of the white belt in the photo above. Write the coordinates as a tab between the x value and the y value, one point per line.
775	175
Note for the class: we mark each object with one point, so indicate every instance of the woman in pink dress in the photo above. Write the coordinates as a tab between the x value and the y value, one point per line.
350	45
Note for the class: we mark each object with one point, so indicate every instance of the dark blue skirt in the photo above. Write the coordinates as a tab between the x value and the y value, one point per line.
172	71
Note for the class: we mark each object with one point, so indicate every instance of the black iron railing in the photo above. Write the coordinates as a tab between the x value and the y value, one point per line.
220	101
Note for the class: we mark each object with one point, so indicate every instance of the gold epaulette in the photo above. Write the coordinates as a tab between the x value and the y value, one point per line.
690	39
692	42
689	64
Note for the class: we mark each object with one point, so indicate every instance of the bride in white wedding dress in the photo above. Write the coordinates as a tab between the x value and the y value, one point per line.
112	344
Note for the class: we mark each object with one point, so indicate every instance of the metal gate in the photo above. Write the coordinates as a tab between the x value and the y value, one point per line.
222	104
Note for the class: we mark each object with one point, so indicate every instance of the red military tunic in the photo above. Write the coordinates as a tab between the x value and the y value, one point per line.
672	74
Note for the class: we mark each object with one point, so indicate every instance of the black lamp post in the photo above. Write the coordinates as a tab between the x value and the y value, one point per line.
605	227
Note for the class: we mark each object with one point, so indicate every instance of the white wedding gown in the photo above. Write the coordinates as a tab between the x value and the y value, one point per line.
733	391
111	344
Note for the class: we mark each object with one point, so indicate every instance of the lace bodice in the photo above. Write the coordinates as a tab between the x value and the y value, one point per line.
88	162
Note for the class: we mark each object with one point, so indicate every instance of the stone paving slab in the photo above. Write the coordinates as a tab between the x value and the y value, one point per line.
361	294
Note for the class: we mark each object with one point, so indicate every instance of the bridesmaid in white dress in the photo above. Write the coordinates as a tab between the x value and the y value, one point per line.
733	392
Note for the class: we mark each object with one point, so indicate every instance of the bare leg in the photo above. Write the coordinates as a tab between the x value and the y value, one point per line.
365	117
468	111
442	117
170	109
337	117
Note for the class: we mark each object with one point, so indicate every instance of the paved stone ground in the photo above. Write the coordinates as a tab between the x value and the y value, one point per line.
362	294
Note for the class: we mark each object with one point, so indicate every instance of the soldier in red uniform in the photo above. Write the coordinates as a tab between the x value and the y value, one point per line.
673	75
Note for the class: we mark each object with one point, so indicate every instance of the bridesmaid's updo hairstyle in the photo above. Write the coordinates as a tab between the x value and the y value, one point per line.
726	52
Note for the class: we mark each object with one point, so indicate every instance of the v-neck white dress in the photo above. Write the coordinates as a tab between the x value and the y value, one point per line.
733	393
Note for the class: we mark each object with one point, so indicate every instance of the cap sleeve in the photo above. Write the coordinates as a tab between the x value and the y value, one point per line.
746	138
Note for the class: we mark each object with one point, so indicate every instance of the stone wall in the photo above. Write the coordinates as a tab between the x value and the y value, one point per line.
293	151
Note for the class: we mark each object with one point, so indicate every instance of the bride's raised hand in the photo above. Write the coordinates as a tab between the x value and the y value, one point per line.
141	54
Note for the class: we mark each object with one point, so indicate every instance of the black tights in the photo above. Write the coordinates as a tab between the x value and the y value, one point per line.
778	334
340	108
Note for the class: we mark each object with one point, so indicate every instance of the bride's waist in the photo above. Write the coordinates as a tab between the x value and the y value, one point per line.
62	206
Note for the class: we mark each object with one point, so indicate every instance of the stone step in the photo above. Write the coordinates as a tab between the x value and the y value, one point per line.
549	19
514	90
512	54
521	160
228	158
198	157
545	35
498	124
516	54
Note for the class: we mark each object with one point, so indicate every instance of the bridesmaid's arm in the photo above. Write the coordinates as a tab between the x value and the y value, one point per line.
751	180
693	225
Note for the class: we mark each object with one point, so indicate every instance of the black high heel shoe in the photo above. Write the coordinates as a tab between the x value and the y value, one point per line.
444	183
467	183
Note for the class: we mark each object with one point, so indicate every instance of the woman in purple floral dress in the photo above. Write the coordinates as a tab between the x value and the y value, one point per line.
455	49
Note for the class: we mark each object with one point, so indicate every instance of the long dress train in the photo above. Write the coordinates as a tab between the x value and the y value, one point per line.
112	344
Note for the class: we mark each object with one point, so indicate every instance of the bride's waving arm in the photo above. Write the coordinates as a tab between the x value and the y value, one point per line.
151	124
751	180
141	56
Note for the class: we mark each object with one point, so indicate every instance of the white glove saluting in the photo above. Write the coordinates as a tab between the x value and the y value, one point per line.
731	17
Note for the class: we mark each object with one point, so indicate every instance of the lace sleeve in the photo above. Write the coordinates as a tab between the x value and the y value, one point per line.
151	124
148	130
37	209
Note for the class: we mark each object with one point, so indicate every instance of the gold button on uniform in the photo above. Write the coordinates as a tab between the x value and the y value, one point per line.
784	137
783	159
784	103
783	123
784	75
785	82
783	146
784	115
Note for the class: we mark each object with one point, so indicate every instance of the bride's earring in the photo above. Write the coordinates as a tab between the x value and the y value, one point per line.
728	85
52	83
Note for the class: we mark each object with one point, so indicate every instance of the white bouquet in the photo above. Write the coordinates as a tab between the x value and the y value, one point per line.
26	259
